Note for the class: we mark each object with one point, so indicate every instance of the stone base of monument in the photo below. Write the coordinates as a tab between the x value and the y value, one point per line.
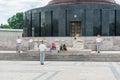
63	56
70	51
77	51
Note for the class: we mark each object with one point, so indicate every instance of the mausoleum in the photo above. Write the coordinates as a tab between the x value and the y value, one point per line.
66	18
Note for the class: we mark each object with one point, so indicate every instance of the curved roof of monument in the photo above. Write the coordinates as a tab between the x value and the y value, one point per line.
61	2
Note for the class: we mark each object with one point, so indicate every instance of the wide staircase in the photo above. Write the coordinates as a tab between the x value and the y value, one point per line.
107	56
74	53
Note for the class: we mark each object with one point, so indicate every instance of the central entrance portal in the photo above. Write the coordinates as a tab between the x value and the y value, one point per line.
75	28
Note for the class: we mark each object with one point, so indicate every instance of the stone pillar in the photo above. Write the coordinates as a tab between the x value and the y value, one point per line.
78	44
36	44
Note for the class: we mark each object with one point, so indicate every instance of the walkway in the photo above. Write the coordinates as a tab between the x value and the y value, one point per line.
55	70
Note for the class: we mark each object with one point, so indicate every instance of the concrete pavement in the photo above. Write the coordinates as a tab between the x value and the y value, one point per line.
58	70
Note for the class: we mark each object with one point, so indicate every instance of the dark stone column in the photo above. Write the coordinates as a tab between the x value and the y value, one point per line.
117	22
105	22
83	21
62	22
43	24
29	23
97	22
39	23
48	22
25	28
89	22
55	22
112	22
35	23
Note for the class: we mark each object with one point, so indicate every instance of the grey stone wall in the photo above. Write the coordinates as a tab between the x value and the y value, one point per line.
8	38
109	43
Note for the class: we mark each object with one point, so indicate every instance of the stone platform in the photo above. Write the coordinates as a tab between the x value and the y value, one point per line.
108	56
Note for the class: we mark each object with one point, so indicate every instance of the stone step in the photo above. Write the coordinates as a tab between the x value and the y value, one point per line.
111	57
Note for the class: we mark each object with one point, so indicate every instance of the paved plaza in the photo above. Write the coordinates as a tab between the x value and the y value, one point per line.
57	70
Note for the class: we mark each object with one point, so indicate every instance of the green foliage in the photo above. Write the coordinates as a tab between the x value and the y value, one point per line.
5	26
16	21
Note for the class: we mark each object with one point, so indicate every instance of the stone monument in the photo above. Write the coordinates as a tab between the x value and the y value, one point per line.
78	44
35	44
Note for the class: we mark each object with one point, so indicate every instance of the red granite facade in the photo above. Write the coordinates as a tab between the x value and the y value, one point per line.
62	2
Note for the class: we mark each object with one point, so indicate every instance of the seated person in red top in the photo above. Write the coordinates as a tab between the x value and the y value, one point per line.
53	46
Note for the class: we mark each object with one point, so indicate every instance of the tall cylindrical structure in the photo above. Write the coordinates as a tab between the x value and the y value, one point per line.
74	17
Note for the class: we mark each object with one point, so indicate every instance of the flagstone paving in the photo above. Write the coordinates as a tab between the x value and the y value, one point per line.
58	70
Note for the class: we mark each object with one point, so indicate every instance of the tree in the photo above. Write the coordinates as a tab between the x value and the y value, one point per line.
5	26
16	21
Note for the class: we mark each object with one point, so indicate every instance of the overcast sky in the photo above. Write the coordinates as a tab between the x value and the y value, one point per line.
10	7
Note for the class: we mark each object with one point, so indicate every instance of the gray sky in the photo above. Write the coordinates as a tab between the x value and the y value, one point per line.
10	7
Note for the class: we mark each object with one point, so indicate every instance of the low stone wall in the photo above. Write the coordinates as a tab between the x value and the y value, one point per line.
8	38
109	43
10	33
